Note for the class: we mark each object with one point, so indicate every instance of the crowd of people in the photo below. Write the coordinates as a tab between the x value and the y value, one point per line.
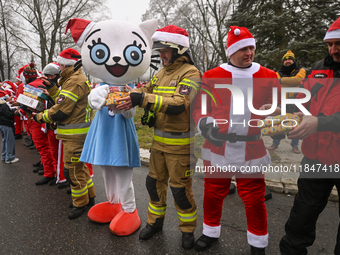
171	99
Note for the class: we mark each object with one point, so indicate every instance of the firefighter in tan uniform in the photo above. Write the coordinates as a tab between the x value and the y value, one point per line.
168	97
73	115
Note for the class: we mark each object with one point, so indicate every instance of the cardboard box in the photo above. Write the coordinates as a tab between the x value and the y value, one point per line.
31	102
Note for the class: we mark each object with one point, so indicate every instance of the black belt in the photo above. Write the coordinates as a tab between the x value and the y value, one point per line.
233	137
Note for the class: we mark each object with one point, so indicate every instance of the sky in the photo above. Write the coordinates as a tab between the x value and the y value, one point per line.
128	10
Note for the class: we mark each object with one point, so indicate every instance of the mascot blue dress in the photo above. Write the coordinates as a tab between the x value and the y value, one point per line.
117	53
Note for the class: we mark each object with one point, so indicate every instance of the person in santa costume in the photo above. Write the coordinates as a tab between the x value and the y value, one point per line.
235	144
40	138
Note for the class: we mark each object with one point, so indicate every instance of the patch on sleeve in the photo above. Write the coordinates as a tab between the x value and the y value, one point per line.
184	90
60	99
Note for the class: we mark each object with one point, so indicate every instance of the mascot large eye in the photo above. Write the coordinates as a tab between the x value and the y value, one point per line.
133	54
99	53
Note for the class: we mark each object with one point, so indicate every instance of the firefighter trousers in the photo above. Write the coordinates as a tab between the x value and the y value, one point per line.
77	173
177	170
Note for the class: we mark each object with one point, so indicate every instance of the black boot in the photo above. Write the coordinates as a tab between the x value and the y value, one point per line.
188	240
76	212
37	169
44	180
37	164
41	172
29	143
257	251
148	232
17	136
63	185
204	242
52	182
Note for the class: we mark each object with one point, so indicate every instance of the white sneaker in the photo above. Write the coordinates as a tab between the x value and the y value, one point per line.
15	160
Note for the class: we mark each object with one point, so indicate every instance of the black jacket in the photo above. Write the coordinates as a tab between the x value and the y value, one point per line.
6	115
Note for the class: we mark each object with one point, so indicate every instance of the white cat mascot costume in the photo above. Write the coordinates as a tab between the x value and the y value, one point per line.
116	52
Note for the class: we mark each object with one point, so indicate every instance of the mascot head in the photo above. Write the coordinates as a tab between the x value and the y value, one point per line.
117	52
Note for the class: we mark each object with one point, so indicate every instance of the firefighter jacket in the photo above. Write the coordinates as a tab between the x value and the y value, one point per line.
170	93
324	85
292	80
71	110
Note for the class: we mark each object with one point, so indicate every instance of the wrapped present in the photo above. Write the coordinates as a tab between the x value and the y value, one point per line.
34	93
31	102
115	93
278	125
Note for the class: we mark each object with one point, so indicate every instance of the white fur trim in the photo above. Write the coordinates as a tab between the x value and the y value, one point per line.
171	37
334	34
84	33
66	61
240	44
210	231
257	241
248	167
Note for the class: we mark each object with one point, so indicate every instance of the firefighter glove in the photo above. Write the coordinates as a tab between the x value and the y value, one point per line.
149	118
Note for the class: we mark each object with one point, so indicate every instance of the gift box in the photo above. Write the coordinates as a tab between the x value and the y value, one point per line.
35	104
115	93
34	93
278	125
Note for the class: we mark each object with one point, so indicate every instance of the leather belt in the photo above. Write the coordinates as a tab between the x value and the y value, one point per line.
233	137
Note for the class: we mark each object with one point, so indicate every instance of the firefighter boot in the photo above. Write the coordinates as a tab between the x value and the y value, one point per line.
76	212
148	231
188	240
125	224
104	212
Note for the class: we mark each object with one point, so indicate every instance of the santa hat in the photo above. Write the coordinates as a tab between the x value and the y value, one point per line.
21	69
30	71
170	35
238	38
10	87
334	31
3	95
68	57
79	29
51	68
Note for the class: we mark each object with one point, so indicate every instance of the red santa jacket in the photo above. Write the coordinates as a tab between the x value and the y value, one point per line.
262	81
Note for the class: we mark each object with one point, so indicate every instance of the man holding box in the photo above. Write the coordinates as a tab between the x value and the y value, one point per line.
73	116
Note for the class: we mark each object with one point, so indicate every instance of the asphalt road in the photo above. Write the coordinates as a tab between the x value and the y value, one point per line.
33	219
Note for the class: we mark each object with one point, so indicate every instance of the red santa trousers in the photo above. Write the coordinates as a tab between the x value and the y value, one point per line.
18	125
251	189
40	140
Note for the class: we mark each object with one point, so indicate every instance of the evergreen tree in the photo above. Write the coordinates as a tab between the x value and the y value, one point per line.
282	25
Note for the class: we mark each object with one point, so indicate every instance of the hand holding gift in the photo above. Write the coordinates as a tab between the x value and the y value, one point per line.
280	124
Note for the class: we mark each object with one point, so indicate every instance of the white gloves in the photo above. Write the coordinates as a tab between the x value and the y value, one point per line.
98	96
